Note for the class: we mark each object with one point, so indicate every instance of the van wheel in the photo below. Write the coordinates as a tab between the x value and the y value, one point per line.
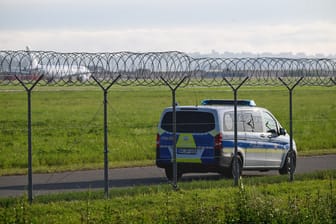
239	166
229	172
286	168
170	175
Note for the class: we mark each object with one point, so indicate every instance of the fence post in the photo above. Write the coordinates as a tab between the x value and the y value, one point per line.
29	124
290	152
236	170
105	91
173	90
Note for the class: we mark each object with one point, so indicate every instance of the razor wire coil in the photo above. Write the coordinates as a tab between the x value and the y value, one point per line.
151	68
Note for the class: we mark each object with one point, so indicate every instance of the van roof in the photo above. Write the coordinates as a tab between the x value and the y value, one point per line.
211	107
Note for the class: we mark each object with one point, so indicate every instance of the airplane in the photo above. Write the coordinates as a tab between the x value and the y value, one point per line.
60	71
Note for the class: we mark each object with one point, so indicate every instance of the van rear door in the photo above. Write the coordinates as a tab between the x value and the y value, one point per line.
196	131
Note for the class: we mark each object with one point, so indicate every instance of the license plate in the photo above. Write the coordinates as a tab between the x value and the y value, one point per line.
186	151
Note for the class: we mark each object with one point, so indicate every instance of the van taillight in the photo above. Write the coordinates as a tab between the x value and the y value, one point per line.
157	141
218	141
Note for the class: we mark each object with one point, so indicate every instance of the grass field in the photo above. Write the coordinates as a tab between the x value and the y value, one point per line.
310	199
68	123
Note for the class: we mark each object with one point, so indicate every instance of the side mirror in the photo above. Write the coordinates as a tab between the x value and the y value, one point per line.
282	131
273	132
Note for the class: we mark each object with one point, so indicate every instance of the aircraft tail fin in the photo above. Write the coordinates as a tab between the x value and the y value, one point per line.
34	62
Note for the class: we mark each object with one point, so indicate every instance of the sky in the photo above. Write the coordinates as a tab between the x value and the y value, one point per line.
302	27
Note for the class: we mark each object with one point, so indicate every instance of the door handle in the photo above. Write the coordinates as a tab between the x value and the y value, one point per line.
264	136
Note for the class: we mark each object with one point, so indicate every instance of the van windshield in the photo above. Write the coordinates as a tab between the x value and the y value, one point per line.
189	122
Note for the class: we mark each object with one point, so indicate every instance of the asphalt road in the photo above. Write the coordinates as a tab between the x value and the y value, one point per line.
11	186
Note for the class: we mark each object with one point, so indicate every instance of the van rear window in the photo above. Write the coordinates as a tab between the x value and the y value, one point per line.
189	122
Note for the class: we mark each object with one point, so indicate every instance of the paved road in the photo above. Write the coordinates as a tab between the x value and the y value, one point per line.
126	177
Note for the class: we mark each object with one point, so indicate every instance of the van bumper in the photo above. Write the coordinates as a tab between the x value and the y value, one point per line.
225	161
217	166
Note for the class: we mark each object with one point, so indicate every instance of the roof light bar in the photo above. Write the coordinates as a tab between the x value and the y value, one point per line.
249	103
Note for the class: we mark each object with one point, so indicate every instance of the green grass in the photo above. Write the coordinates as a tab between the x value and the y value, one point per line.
310	198
68	123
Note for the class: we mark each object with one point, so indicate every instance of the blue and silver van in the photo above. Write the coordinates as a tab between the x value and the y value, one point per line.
205	139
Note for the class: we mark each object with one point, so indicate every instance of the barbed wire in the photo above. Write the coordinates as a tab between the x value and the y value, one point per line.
151	68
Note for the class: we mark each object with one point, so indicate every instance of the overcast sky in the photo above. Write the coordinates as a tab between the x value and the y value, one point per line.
307	26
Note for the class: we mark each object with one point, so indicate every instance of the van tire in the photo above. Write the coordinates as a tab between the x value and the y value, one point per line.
170	175
240	166
228	172
286	167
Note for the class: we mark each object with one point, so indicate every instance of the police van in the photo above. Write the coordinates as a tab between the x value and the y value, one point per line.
205	139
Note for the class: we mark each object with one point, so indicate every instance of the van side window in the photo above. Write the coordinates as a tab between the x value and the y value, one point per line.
229	121
252	121
269	122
